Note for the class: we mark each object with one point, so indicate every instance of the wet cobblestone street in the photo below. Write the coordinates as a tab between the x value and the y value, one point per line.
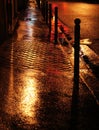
34	78
36	82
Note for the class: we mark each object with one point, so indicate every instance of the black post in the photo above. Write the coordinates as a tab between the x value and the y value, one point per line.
38	3
50	17
46	11
76	53
43	9
56	24
75	94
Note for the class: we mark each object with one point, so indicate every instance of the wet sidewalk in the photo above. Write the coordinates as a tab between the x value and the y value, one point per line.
36	82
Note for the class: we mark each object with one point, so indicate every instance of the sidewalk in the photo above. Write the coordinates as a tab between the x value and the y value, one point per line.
36	82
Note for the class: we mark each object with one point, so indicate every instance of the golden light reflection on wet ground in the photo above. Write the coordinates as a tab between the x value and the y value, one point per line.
29	99
22	98
90	53
39	92
85	41
23	102
28	31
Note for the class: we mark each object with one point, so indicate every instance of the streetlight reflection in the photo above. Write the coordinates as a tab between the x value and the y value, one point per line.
29	99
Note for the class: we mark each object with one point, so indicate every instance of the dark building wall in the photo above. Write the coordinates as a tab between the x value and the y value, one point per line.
3	30
9	10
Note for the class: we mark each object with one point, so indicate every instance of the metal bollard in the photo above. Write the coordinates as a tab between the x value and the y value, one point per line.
43	8
56	25
50	17
75	94
38	3
76	52
46	12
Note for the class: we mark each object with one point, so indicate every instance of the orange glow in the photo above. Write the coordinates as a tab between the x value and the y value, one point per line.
29	99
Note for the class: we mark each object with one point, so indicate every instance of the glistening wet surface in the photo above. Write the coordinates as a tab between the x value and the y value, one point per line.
36	82
36	79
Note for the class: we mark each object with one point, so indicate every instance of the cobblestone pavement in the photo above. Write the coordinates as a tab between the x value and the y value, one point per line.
36	82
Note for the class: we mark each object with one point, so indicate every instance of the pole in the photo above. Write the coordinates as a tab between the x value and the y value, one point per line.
46	12
56	24
76	52
75	94
50	16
